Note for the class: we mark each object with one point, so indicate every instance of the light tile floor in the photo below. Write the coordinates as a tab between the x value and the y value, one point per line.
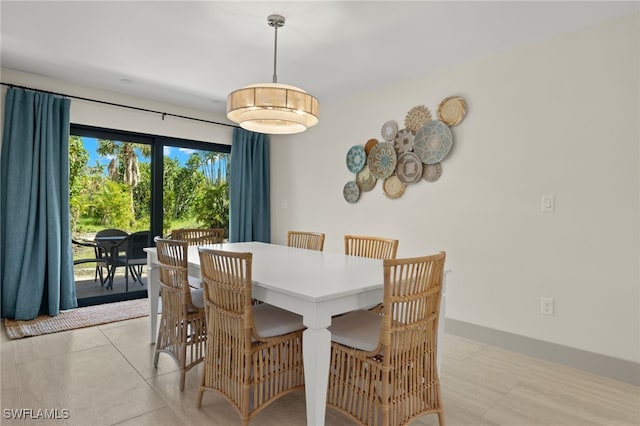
104	376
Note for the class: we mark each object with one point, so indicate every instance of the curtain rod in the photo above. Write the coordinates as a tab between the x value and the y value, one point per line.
164	114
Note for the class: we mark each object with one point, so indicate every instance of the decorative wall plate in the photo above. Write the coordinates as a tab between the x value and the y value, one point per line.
417	117
451	110
356	158
351	191
393	188
409	168
389	130
369	145
431	172
403	141
365	180
433	142
382	160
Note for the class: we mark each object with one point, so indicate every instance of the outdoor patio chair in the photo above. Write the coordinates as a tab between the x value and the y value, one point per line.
111	244
135	256
97	259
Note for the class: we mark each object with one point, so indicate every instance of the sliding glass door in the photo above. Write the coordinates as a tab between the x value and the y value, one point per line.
195	188
136	183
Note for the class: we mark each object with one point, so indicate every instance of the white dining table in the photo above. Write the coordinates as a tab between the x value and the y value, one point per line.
314	284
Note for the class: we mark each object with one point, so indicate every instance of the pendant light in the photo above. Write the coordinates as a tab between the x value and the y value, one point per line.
273	108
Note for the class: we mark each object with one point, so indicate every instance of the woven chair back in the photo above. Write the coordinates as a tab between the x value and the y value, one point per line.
306	240
411	305
197	237
111	232
368	246
397	381
226	280
136	243
249	370
173	268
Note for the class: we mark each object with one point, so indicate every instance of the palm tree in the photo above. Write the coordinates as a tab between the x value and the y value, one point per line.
124	152
214	166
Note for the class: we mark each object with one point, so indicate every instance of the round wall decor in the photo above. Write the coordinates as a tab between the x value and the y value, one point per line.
365	180
351	191
431	172
389	130
382	160
433	142
393	188
409	168
356	158
452	110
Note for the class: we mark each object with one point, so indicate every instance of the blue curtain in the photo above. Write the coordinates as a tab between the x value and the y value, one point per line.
249	203
36	263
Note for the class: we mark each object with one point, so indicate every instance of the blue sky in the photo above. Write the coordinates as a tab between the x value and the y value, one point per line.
91	144
181	154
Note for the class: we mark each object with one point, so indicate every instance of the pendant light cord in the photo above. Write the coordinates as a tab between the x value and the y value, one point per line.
275	21
275	55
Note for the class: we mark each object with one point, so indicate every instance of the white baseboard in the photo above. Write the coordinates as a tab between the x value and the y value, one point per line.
602	365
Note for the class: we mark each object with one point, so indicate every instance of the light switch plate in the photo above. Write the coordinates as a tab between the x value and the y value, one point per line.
548	203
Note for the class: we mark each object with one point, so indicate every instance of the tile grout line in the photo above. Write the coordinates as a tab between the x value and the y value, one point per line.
166	404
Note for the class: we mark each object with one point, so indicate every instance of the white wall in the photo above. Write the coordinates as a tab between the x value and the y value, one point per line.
100	115
561	118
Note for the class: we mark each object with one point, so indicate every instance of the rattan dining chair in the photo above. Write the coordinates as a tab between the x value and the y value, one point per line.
182	329
367	246
254	353
383	368
198	236
306	240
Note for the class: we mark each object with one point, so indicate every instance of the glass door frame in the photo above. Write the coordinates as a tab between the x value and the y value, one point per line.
158	144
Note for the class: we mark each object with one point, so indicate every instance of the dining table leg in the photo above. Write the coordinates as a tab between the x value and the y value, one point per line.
316	350
153	294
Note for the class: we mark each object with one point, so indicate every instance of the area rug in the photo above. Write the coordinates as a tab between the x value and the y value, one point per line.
78	318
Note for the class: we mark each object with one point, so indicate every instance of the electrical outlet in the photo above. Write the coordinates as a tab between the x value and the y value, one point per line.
548	203
546	306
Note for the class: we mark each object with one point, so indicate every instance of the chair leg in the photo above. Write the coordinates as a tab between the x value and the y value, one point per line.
111	271
126	278
100	274
136	272
201	390
139	272
159	341
441	419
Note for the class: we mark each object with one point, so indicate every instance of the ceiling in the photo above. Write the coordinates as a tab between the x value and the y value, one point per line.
194	53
